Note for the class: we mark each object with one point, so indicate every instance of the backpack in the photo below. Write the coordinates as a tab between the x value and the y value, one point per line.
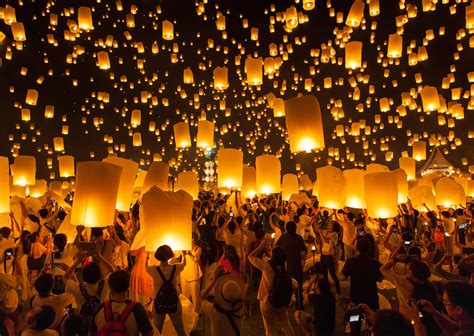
115	327
166	300
91	302
281	290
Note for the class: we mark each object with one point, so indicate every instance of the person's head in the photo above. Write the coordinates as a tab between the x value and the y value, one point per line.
5	231
415	251
229	292
97	234
72	325
459	212
458	298
278	258
291	227
44	284
35	237
440	228
43	213
419	270
363	246
259	234
231	255
120	233
60	242
325	213
388	322
334	227
164	253
299	212
359	223
119	282
281	225
41	318
350	216
445	214
231	226
91	273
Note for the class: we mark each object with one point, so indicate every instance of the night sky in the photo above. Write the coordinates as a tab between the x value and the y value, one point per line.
77	106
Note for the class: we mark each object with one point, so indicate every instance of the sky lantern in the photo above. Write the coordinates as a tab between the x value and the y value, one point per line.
95	196
408	164
24	170
31	97
430	99
291	17
304	124
420	196
309	4
136	118
356	14
249	182
355	188
449	193
376	168
4	185
374	7
181	135
188	181
25	114
331	187
253	69
165	217
84	18
353	52
289	186
58	144
381	194
205	134
230	168
402	185
221	81
9	14
220	23
103	60
419	150
470	188
268	174
127	181
167	30
38	189
188	77
18	31
66	166
278	107
395	46
305	182
137	139
157	175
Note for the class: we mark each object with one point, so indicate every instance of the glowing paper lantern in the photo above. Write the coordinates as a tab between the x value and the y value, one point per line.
188	181
188	76
221	81
66	166
95	197
374	7
402	185
127	181
58	144
31	97
103	60
470	188
253	69
331	187
430	98
289	186
356	13
136	118
24	170
268	174
408	164
355	188
291	16
230	168
249	182
381	194
4	185
305	182
205	134
38	189
18	31
353	52
84	18
278	107
165	218
448	193
168	30
157	175
420	196
181	135
419	150
304	124
395	46
376	168
137	139
308	4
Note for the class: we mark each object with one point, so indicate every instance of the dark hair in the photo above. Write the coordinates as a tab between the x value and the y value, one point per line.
461	294
350	216
44	318
415	251
231	226
33	236
60	242
34	219
72	325
336	227
420	270
459	212
358	221
5	232
363	246
446	214
61	215
231	255
389	322
120	233
299	211
25	241
97	232
259	234
43	213
119	281
91	273
164	253
278	258
44	284
291	227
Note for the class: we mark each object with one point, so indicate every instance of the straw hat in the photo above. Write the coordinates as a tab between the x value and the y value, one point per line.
229	292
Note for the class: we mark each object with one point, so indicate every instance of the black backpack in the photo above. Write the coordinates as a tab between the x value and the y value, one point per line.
281	290
91	302
166	300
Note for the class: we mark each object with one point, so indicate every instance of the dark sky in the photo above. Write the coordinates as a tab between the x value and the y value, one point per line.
73	103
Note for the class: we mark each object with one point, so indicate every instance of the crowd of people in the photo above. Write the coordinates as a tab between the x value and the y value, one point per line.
295	257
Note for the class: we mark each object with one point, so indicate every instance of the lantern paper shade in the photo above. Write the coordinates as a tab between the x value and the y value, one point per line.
305	182
181	135
38	189
220	78
95	197
268	174
304	124
168	30
470	188
289	186
278	107
253	69
84	18
56	187
249	182
331	187
353	51
205	134
66	166
157	175
24	170
402	185
103	60
165	217
419	150
408	164
58	144
381	194
4	185
376	168
188	181
430	99
449	193
230	168
355	188
356	13
420	196
127	181
18	31
395	46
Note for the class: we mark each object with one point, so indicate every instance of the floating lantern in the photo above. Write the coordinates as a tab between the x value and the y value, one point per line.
309	4
24	170
268	174
157	175
291	16
84	18
188	181
305	182
4	185
137	139
136	118
353	52
103	60
249	182
355	188
374	7
31	97
188	76
181	135
419	150
449	193
220	78
253	69
381	194
402	185
304	124
408	164
422	198
58	144
18	31
230	168
95	196
205	134
376	168
278	107
127	181
66	166
289	186
356	13
395	46
331	187
430	99
38	189
168	30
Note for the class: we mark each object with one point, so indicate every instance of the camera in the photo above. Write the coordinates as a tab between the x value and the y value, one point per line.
231	213
353	315
8	252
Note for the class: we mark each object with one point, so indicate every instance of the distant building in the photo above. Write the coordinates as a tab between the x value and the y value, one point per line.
436	163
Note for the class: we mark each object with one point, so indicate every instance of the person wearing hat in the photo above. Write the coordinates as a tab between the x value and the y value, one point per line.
226	312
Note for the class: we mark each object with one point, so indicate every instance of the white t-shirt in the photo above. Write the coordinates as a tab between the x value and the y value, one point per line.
66	258
121	255
58	302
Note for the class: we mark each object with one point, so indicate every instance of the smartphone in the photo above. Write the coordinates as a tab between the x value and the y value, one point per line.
354	318
53	202
467	250
462	226
407	242
8	253
231	213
